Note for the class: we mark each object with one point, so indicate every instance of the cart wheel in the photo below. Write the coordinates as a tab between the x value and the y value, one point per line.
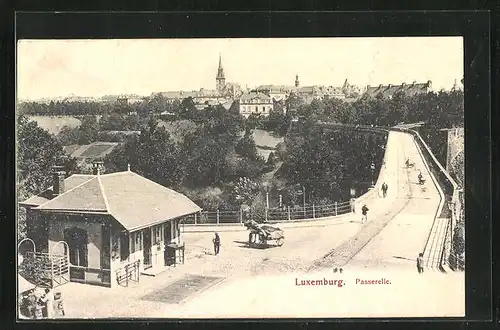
280	241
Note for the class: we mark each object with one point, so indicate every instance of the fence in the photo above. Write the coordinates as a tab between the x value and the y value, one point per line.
308	212
45	270
129	273
453	203
272	214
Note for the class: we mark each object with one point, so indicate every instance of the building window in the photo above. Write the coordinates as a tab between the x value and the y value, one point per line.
256	109
157	234
124	246
136	242
77	240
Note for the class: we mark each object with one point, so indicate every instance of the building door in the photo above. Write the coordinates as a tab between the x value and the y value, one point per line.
147	248
77	240
167	236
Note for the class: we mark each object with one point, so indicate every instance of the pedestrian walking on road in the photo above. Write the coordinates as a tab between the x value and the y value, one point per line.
420	263
384	189
216	241
364	212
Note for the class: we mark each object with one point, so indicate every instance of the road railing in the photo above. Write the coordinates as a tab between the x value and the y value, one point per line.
451	207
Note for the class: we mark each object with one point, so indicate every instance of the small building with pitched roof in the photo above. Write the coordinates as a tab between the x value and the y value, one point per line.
108	222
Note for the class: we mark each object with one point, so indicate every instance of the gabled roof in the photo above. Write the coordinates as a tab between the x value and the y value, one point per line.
255	95
274	88
91	151
390	90
134	201
45	196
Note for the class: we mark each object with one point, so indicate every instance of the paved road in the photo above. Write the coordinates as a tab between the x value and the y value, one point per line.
405	235
263	282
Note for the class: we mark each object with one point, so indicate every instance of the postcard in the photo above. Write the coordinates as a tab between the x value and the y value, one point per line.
240	178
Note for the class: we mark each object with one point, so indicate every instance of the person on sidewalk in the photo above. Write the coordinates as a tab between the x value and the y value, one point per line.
364	212
32	305
216	242
421	179
47	302
420	263
384	189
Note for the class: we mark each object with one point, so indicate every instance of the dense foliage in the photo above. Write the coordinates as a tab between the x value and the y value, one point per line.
210	155
37	152
328	162
218	148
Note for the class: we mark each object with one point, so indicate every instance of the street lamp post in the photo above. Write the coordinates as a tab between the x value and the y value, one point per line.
267	198
304	197
372	166
353	194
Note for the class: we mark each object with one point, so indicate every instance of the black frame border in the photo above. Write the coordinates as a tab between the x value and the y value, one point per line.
474	26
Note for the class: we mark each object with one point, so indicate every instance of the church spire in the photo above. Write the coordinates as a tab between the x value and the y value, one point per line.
220	79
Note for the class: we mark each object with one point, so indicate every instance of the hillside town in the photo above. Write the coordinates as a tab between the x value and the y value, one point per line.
261	99
214	202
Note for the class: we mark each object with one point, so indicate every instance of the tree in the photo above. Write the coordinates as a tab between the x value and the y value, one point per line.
244	190
187	109
246	147
37	153
158	158
272	159
88	130
252	122
68	135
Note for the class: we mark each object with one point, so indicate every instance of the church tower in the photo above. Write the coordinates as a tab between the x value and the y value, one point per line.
220	79
296	80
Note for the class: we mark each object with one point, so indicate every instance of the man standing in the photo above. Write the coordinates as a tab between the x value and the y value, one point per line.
384	189
216	242
47	301
420	263
364	212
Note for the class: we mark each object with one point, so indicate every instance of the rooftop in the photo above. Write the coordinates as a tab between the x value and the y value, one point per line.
91	151
134	201
389	90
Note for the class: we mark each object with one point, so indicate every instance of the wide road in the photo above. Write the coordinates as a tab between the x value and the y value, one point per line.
385	249
263	283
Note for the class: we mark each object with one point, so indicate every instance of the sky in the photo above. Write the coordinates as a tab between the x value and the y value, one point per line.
93	68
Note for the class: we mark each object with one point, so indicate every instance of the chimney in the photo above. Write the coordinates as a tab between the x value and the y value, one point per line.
414	82
429	83
97	167
380	86
58	176
403	84
389	86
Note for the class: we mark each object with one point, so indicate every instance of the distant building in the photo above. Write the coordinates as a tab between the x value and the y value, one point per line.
456	86
309	93
350	91
255	103
276	92
223	92
388	91
122	100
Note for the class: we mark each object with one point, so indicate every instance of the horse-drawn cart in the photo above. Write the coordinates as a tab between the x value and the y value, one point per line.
262	235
